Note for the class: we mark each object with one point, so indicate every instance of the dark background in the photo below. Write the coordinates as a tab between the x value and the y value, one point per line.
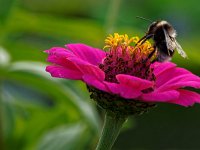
38	112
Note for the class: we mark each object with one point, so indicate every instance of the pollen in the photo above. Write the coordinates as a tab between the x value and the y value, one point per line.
127	43
126	56
118	40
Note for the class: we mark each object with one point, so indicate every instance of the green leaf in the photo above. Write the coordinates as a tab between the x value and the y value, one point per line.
4	57
62	138
50	26
8	115
5	8
85	108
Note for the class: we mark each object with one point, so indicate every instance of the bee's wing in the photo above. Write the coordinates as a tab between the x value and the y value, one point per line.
169	42
172	44
180	50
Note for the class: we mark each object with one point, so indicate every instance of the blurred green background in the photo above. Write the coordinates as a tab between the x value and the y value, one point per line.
38	112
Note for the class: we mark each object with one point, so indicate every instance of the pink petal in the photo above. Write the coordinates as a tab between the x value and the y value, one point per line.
129	86
123	90
112	88
60	51
134	82
160	68
67	62
181	82
186	98
87	53
61	72
88	69
92	81
162	71
93	71
160	96
59	55
176	78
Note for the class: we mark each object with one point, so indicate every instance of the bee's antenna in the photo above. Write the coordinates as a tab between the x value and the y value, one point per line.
144	18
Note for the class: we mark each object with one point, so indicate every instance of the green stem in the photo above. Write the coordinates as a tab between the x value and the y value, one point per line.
6	17
1	128
111	128
113	12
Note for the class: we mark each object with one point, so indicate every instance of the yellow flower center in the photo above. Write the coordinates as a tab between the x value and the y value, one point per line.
126	43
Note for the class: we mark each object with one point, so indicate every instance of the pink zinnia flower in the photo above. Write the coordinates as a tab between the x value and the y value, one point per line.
124	71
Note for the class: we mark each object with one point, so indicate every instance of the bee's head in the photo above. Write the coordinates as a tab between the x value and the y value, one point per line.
164	25
153	27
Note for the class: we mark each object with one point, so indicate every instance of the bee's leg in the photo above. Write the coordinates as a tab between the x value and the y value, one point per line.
151	54
168	51
144	38
148	36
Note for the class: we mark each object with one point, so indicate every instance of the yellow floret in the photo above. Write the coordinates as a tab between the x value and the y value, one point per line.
116	40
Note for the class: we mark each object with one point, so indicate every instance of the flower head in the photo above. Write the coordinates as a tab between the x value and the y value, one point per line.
124	77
